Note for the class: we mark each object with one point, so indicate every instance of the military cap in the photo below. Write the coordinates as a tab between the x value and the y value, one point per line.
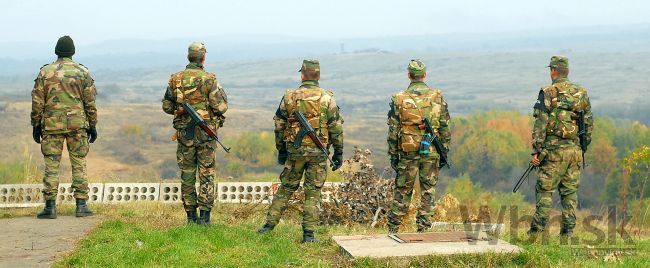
196	48
310	65
64	47
417	68
558	61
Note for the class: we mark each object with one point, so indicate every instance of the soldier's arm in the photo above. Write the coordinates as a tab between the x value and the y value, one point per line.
443	131
541	117
280	119
393	129
335	126
168	102
38	100
218	99
89	97
589	118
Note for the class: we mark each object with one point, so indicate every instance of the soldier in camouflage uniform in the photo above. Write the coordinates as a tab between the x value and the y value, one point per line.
202	91
321	111
63	111
405	132
556	145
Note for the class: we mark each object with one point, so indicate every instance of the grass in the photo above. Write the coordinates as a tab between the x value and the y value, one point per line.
154	234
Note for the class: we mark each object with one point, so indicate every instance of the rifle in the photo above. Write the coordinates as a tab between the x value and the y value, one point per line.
307	129
523	176
198	121
582	134
433	139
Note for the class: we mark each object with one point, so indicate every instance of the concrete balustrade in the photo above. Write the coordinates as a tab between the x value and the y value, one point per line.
30	195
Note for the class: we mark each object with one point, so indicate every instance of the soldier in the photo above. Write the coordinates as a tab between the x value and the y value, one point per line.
63	110
201	90
321	111
406	130
556	149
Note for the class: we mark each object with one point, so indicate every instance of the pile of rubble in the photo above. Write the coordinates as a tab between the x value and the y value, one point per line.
364	197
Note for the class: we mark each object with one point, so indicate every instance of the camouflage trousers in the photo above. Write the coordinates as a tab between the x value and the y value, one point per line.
199	156
410	167
560	170
52	149
315	170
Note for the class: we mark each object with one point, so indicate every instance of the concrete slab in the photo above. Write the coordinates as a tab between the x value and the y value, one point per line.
381	246
30	242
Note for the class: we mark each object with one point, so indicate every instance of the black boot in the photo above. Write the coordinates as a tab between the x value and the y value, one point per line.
49	211
308	237
191	216
204	217
82	209
566	232
533	231
266	228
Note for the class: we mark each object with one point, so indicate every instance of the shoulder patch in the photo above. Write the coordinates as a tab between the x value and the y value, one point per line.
540	104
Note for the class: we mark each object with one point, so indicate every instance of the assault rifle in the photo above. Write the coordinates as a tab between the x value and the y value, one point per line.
307	129
197	120
582	134
444	161
523	176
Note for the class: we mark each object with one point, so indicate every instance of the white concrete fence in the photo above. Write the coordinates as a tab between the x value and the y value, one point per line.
29	195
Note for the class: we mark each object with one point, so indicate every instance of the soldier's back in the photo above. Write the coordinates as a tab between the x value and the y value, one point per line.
63	83
192	84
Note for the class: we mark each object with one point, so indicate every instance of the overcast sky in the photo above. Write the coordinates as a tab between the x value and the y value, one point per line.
95	21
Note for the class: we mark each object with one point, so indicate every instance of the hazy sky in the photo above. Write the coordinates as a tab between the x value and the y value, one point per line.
95	21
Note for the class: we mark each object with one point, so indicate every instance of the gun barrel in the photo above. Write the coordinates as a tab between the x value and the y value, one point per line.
523	176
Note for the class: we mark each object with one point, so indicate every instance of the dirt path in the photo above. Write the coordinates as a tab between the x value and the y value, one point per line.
29	242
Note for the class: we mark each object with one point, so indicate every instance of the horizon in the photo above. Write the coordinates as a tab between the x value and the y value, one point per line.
101	22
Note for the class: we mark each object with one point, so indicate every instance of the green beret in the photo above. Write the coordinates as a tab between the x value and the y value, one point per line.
310	65
558	61
64	47
417	68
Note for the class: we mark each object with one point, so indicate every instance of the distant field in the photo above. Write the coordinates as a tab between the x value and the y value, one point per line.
618	82
135	142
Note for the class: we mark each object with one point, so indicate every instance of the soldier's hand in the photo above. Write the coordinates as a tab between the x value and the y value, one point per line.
338	160
92	134
282	157
394	161
535	160
37	133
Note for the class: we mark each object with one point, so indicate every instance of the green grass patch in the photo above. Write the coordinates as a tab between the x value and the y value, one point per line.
155	235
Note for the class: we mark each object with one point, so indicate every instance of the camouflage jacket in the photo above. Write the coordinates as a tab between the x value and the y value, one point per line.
320	109
407	112
63	98
556	113
202	91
